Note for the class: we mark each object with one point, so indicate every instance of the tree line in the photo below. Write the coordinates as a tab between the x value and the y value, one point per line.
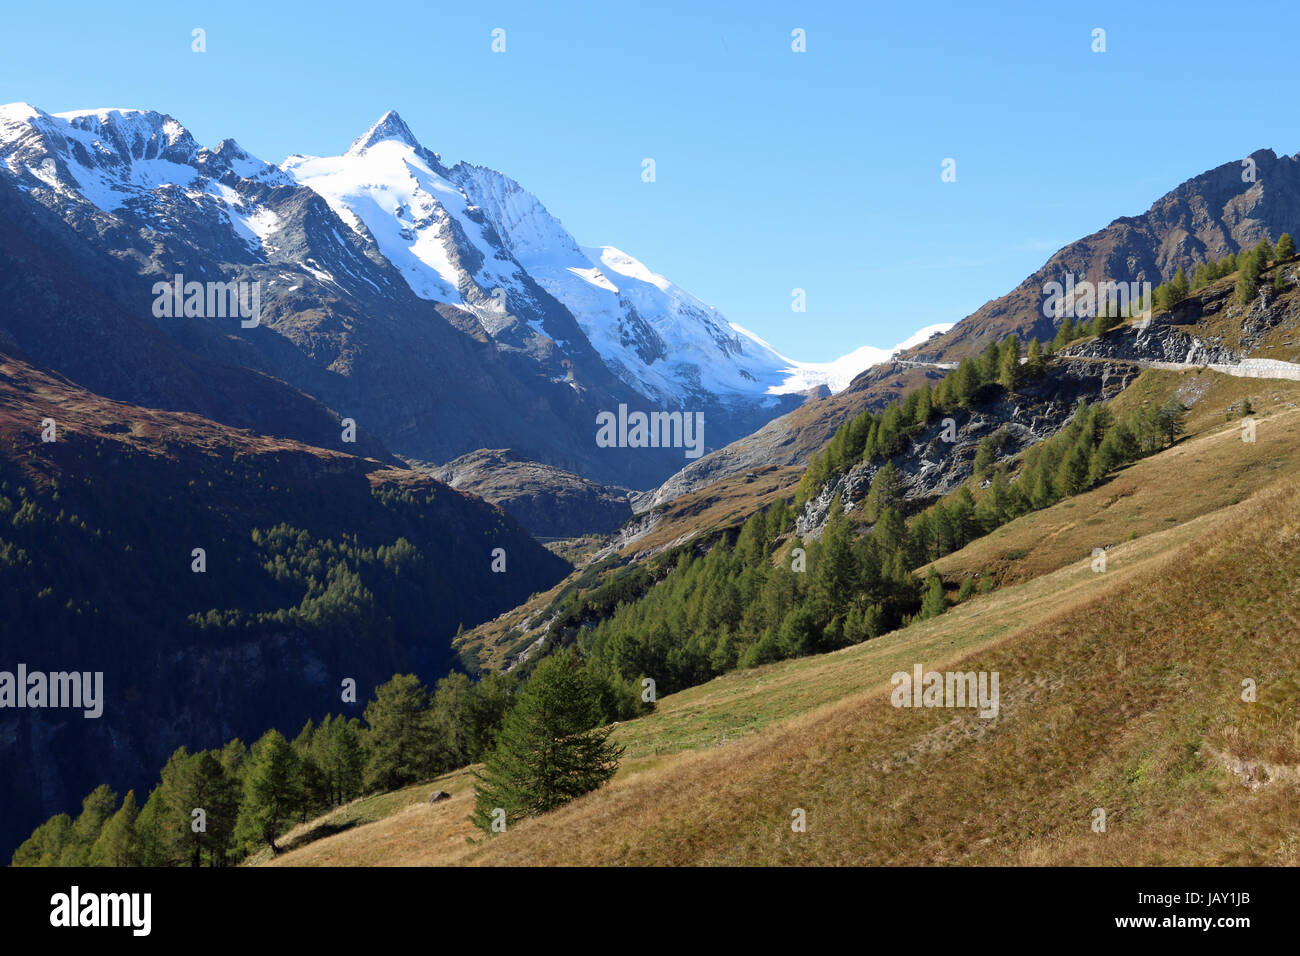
1249	264
875	437
756	595
763	594
214	807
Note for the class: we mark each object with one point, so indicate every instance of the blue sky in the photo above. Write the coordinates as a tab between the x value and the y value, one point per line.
775	170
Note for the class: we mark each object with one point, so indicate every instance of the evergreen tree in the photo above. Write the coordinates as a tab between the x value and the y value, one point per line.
835	571
994	506
315	787
1008	372
1172	419
96	809
1104	460
924	405
402	748
193	782
945	532
1042	492
890	531
493	696
550	749
961	513
116	843
1036	365
46	844
1065	334
1072	475
150	849
1248	280
886	491
1202	275
986	367
965	382
271	791
233	755
934	602
341	757
984	456
1126	443
1178	287
1105	322
1285	247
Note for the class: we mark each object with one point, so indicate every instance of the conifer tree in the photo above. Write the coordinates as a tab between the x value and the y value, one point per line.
402	745
341	757
96	809
550	749
1285	247
1035	364
149	845
116	843
1178	287
1065	334
1072	475
886	490
1008	371
1172	418
835	572
984	456
934	603
46	844
271	791
890	531
207	787
924	405
1248	280
994	507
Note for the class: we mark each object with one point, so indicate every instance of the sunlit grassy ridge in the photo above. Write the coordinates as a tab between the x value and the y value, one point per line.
1207	470
1119	691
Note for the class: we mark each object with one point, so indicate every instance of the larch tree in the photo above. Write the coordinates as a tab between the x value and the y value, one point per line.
550	748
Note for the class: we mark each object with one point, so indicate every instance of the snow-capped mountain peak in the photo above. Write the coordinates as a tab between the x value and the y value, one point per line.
391	190
464	235
468	235
390	126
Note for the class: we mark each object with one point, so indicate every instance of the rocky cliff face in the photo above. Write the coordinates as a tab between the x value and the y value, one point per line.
932	467
1210	327
1207	217
794	437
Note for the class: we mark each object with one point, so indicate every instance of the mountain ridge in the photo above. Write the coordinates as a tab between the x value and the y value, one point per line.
400	303
1223	210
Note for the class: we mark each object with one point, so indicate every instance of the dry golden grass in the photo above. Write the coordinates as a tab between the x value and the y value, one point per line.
408	830
1119	690
1040	542
1208	469
1106	702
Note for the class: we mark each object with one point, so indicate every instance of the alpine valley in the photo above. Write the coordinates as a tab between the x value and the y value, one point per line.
395	470
413	316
